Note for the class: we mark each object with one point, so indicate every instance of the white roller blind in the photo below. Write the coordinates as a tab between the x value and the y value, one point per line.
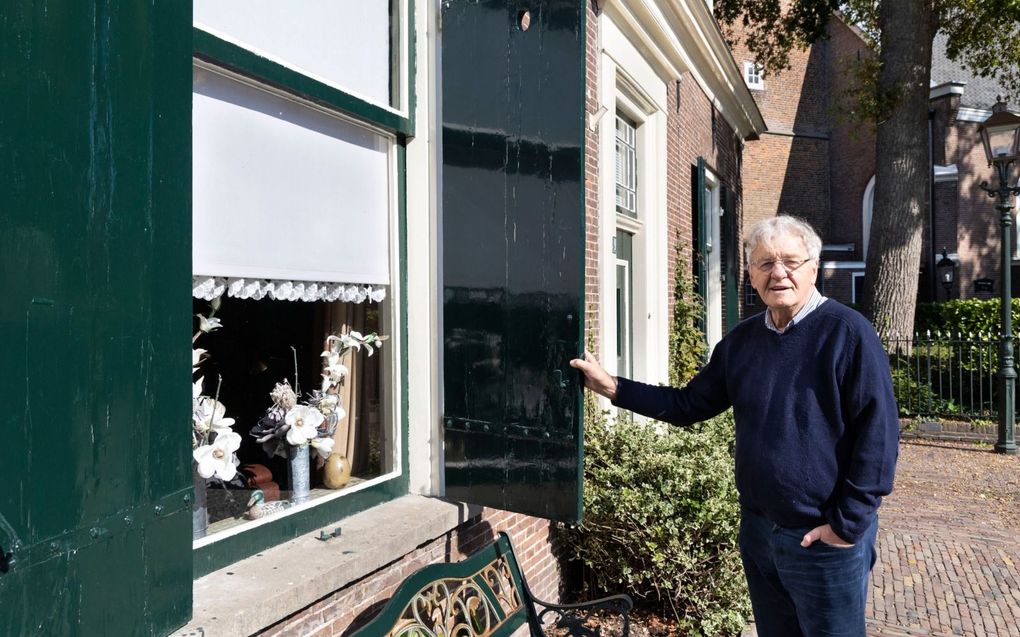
285	191
344	43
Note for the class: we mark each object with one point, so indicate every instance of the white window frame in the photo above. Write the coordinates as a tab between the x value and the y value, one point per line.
630	86
753	77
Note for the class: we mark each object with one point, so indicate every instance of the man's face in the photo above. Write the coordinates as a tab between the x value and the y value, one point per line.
784	288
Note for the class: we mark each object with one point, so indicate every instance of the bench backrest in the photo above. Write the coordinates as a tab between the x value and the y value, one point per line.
482	596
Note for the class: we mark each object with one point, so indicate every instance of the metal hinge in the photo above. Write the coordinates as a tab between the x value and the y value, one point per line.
122	522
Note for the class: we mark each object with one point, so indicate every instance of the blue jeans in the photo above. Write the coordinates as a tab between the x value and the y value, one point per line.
804	592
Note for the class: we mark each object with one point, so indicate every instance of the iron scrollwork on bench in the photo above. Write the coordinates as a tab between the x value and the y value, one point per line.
484	595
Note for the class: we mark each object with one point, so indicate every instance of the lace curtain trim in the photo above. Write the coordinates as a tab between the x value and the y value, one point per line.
208	288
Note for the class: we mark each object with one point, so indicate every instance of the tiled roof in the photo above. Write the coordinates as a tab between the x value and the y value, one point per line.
979	92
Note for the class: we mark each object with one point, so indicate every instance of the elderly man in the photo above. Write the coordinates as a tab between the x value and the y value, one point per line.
816	436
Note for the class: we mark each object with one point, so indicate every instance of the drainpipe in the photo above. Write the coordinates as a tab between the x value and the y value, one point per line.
932	282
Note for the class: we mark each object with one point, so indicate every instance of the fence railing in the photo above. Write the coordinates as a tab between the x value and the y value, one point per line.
945	375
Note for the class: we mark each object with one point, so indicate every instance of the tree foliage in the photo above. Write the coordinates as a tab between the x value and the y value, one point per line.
982	35
687	346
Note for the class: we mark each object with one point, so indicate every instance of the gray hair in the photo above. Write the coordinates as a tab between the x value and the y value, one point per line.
766	231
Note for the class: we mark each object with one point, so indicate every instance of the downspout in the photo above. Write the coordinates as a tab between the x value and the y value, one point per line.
932	283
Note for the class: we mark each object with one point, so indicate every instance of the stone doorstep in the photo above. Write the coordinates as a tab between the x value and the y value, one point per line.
257	592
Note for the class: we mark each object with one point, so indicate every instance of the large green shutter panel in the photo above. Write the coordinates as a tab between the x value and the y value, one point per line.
95	259
513	252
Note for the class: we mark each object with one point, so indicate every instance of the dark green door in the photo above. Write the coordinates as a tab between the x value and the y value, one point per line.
513	252
95	259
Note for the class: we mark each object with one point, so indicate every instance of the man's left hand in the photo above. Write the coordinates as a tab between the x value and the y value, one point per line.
826	535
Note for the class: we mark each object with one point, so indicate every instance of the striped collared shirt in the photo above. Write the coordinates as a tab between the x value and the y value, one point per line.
813	302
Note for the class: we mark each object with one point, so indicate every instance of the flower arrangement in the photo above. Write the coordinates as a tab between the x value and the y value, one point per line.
214	444
288	422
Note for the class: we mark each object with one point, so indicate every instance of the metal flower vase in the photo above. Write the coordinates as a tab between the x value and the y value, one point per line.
200	508
300	473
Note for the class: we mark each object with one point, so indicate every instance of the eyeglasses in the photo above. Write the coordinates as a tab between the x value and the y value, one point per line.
789	265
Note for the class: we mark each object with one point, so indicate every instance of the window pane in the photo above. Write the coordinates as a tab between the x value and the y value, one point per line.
348	45
626	167
265	342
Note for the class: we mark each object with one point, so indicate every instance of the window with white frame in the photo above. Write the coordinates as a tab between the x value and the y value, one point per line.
753	76
294	220
626	166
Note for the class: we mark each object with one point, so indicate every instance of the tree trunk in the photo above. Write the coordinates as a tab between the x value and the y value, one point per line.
902	173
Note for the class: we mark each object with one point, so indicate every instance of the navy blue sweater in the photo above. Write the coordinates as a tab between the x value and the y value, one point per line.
817	428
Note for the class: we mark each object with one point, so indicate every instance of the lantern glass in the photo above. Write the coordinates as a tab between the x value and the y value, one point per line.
1000	135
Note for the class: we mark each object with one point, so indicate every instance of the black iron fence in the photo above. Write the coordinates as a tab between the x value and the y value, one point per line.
945	375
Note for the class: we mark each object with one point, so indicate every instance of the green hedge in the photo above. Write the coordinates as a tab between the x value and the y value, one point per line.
661	521
970	316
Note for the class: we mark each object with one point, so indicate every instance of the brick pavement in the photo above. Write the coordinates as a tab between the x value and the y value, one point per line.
948	544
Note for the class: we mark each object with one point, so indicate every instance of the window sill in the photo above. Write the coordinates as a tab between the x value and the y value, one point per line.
254	593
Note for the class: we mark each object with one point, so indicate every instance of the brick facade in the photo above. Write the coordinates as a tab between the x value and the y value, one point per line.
966	222
695	129
815	161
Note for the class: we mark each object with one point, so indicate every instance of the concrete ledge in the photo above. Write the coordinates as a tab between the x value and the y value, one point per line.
259	591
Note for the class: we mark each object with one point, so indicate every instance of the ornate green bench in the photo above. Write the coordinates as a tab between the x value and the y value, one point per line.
484	595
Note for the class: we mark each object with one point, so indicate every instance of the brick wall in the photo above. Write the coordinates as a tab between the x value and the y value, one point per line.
346	609
852	146
691	134
976	234
816	161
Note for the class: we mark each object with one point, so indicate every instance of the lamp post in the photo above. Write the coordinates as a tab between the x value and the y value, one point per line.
946	269
1000	134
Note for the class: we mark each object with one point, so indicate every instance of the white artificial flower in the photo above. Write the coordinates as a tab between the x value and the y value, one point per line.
336	370
196	358
323	445
304	424
208	324
209	415
217	459
330	404
196	389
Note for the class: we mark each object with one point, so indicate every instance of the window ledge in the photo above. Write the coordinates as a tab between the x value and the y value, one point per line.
254	593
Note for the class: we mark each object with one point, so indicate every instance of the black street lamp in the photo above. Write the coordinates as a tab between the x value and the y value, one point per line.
1000	134
946	269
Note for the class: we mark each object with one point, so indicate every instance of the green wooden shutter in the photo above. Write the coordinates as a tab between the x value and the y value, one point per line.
731	253
700	208
513	253
95	260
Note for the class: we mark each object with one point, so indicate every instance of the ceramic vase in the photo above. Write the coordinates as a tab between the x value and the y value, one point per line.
337	471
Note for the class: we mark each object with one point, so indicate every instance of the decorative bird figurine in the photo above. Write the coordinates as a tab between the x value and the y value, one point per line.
258	508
